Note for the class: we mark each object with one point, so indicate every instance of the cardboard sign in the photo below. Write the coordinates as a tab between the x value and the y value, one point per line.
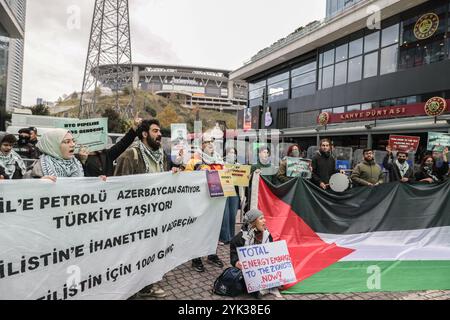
220	184
266	266
404	143
298	167
90	133
437	141
240	174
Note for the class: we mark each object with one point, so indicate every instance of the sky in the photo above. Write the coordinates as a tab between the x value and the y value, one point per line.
202	33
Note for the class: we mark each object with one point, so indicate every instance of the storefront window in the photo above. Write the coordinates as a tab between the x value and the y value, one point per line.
327	77
355	69
371	42
340	73
355	48
339	110
390	35
355	107
389	57
278	78
371	64
342	53
278	91
304	79
304	90
303	69
366	106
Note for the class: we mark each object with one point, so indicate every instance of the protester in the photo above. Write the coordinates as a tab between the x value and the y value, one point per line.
101	163
293	152
24	148
324	165
11	164
253	232
367	172
263	160
429	172
58	156
3	174
33	135
227	230
399	170
439	160
208	160
146	157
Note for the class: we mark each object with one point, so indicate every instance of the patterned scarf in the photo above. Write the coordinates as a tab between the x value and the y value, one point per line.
52	166
207	159
156	155
429	172
9	162
403	168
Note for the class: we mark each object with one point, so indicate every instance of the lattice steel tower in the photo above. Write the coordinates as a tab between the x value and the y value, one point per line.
109	47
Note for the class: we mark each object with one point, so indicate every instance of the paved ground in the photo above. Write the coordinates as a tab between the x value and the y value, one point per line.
183	283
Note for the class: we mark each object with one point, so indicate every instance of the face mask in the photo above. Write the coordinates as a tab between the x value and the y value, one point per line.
23	140
296	153
402	161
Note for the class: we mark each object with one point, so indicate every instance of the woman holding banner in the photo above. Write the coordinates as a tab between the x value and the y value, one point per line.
58	159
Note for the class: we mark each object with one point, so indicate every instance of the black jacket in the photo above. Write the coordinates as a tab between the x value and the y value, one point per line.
437	172
236	242
323	168
394	171
102	163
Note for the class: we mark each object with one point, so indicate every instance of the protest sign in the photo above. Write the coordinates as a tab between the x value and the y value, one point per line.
90	133
298	167
83	238
404	143
220	184
240	174
437	141
180	151
266	266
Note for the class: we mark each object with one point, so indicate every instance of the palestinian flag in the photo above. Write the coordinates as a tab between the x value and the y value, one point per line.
394	237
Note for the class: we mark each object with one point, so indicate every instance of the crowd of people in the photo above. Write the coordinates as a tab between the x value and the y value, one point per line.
55	157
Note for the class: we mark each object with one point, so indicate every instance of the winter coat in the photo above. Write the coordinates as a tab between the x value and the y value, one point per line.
365	173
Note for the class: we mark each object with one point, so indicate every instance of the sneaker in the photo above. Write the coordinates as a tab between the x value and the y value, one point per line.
198	266
215	260
152	293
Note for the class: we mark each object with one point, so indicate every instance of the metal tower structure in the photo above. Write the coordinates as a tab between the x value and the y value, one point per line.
109	45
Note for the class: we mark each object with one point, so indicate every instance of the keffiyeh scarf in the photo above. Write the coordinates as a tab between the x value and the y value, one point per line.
403	168
156	155
9	163
52	166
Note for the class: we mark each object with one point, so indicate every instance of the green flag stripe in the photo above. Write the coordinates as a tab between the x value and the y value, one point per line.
377	276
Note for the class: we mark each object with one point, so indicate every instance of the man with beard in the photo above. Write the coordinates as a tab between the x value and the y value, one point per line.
323	165
367	172
399	170
146	157
24	147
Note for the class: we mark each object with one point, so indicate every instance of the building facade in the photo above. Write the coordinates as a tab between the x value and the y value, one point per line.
364	82
10	30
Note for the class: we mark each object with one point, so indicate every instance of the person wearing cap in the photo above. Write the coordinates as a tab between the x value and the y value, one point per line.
24	147
253	232
33	135
11	164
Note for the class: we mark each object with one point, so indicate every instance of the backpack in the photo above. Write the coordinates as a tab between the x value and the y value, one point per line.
230	283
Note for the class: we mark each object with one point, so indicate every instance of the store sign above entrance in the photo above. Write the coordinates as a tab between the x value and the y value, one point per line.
426	26
434	107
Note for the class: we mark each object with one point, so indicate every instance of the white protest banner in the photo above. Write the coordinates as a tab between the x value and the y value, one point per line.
266	266
90	133
83	238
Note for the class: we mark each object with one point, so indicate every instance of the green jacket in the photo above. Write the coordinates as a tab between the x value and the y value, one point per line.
365	173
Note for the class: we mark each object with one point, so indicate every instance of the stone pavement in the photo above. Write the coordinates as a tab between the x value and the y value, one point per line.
183	283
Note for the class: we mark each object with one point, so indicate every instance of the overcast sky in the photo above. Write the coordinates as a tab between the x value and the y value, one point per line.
206	33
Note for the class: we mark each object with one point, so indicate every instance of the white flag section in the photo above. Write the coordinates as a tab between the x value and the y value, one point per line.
82	238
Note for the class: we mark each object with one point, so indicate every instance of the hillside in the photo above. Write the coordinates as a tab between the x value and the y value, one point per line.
147	105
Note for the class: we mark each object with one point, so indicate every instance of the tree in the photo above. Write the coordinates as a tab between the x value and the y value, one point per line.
40	110
74	96
115	123
168	116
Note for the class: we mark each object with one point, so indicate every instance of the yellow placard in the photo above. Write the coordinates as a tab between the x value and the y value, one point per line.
226	180
240	174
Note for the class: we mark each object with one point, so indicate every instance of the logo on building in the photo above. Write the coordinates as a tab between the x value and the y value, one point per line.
426	26
435	106
323	118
